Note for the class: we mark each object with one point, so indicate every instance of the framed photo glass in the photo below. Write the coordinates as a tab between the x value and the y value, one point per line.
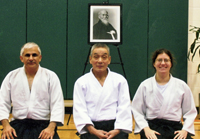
105	23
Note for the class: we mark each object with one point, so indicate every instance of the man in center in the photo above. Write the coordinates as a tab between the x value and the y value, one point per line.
101	106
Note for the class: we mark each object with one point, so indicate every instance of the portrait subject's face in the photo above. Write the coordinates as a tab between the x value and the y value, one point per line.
103	16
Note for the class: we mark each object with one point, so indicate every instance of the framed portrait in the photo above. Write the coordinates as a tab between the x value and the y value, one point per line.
105	23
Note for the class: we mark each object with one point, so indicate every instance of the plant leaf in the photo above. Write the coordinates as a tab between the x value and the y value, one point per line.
192	46
198	70
191	29
195	52
199	52
197	35
188	56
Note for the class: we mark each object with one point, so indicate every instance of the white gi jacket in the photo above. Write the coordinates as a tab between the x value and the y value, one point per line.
44	101
93	102
177	100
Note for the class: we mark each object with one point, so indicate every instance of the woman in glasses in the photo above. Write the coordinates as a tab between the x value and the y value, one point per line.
161	101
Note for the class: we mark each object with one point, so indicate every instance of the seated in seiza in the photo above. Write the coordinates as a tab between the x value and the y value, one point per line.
101	100
161	101
36	95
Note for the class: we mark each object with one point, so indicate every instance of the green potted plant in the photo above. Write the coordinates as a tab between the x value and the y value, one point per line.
195	46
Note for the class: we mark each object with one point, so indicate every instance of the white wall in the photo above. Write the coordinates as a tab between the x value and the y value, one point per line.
193	79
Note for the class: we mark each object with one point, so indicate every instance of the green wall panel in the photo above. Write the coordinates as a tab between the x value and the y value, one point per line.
77	41
12	34
46	25
134	47
168	28
61	30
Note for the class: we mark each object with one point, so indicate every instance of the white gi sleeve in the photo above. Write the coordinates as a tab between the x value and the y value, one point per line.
80	113
124	116
57	100
139	109
189	110
5	99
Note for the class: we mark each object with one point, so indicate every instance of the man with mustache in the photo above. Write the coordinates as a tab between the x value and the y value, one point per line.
36	96
103	29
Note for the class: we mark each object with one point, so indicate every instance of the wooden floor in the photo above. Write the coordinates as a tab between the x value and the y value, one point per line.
68	131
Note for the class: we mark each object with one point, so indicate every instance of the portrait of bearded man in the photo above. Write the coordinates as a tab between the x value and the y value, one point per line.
103	29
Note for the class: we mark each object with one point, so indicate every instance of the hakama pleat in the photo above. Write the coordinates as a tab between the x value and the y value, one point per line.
30	129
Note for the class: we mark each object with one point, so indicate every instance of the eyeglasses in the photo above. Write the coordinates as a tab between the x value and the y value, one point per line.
165	60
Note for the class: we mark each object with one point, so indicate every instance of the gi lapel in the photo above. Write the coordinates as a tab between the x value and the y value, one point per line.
166	97
158	96
26	90
102	93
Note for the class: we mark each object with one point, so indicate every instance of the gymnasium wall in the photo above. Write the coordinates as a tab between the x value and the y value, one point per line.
60	28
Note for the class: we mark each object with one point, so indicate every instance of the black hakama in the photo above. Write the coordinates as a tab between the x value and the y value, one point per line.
106	126
30	129
165	127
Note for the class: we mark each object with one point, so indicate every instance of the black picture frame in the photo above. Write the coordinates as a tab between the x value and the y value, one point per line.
101	33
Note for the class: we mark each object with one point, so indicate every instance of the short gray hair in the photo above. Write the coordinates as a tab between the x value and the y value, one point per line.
29	45
99	45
